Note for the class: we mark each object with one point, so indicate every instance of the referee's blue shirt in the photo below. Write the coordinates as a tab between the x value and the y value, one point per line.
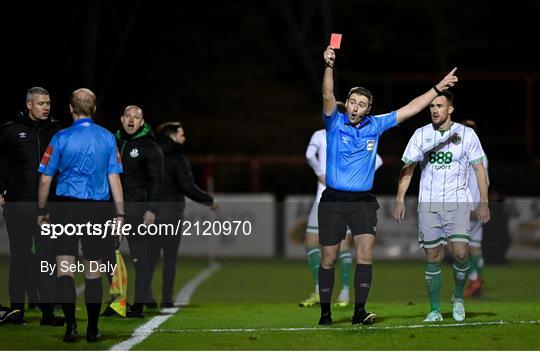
83	155
351	151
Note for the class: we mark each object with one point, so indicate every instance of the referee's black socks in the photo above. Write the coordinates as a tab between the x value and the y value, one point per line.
93	294
362	284
326	286
67	296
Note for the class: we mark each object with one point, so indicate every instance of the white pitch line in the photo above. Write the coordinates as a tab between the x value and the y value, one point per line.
414	326
183	297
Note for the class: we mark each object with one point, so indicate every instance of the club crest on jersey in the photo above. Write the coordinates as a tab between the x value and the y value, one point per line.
134	153
22	135
370	144
456	139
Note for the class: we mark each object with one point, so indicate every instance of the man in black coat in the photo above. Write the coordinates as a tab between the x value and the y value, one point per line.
177	183
142	161
6	313
22	144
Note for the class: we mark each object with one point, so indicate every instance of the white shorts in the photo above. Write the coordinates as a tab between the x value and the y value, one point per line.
435	229
313	223
477	231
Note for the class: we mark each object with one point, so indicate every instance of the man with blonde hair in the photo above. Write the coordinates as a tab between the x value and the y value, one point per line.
86	160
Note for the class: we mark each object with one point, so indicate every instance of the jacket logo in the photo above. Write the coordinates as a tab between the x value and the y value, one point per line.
455	139
134	153
345	139
370	144
22	135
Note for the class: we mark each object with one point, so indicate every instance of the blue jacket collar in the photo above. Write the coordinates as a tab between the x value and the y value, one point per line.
82	120
365	121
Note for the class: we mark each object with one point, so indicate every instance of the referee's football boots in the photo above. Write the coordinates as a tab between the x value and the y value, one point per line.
363	317
326	319
71	334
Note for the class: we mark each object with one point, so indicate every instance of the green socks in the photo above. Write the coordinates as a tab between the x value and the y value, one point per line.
460	277
345	267
477	264
314	261
434	280
433	283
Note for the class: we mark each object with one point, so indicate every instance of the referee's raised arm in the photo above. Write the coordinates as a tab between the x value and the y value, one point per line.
329	100
421	102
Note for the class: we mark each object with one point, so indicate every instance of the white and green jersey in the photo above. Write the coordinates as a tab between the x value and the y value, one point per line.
445	158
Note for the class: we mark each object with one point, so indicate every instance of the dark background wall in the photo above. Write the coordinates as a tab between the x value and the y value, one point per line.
244	77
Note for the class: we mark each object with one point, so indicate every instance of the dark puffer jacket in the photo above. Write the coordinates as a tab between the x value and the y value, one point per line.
142	162
178	179
22	144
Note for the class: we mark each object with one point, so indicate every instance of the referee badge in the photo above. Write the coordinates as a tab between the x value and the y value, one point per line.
456	139
370	144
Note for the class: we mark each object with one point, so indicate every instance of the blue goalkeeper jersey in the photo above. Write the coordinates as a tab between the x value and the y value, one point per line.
83	156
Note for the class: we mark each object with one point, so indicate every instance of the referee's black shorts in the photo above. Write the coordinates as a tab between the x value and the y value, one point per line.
340	209
72	211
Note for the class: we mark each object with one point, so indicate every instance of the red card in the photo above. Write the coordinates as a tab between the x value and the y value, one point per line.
335	41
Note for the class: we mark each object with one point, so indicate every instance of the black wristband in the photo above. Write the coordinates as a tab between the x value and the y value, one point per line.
42	211
437	90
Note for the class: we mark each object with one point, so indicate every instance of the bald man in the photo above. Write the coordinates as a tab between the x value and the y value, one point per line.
142	160
85	159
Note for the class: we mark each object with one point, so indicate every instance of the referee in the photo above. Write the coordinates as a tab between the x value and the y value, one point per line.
86	160
352	140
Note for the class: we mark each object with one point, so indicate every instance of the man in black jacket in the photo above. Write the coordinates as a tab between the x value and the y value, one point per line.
6	314
177	183
22	144
142	160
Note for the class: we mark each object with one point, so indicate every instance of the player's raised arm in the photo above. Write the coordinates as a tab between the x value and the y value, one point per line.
403	185
419	103
329	101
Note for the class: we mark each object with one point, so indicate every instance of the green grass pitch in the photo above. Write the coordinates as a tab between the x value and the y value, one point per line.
253	304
